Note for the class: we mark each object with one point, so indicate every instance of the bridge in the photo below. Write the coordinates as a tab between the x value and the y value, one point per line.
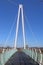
21	56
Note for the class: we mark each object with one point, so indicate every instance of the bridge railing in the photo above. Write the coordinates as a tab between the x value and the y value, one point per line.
37	56
4	56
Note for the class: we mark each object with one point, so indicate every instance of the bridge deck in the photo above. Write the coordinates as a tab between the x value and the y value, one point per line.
20	58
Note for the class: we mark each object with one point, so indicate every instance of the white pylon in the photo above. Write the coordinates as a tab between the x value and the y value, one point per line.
20	9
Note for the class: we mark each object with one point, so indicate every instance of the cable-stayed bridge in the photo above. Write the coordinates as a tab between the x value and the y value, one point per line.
21	56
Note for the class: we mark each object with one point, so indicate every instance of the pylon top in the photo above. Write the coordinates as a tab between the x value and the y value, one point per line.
20	5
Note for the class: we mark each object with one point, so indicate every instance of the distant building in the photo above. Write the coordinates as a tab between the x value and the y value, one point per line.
26	46
5	49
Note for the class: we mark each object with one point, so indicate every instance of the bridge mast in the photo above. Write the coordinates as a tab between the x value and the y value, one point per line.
20	9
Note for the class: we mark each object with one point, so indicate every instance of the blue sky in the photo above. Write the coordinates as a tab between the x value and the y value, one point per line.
33	19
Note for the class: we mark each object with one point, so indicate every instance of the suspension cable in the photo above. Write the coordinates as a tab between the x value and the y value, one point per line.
10	31
12	2
30	28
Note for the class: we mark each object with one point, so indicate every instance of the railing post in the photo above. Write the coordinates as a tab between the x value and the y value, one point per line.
41	57
36	55
32	53
2	57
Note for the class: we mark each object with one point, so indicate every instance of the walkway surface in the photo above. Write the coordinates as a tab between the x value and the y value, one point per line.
20	58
